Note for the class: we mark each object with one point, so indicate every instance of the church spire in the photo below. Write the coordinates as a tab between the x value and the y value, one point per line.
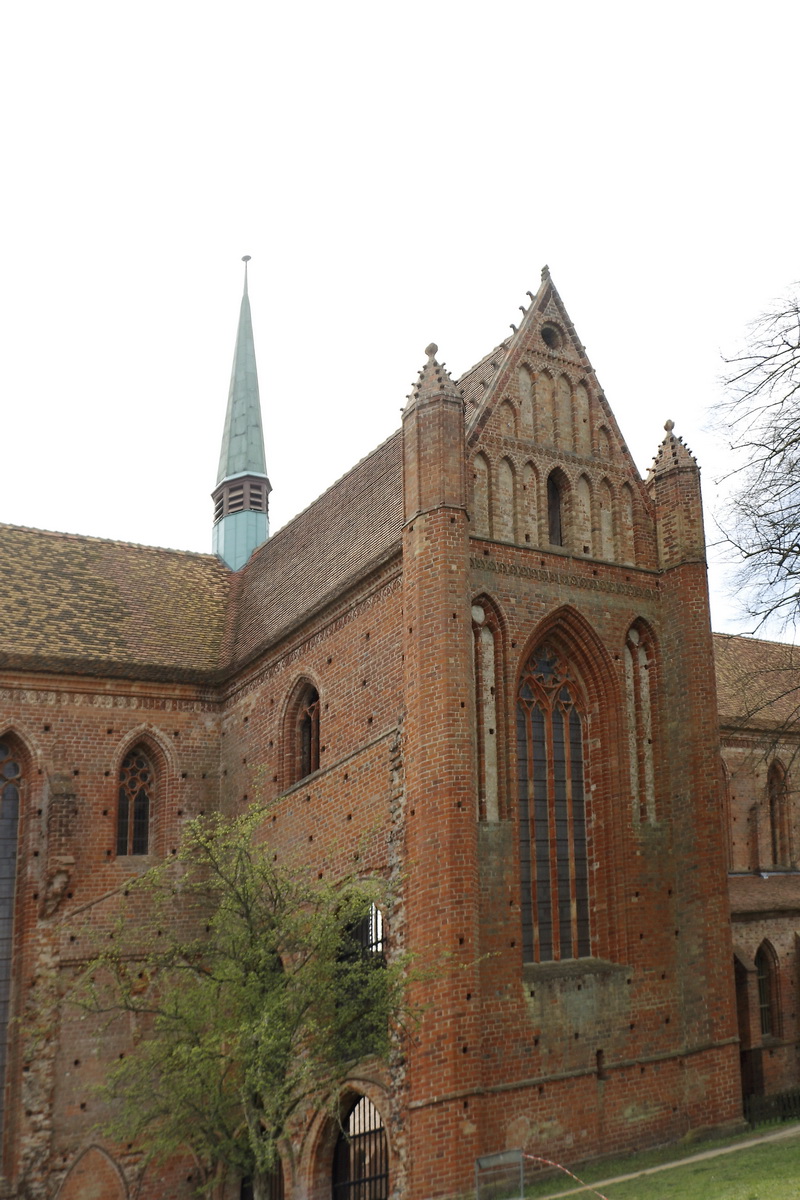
242	491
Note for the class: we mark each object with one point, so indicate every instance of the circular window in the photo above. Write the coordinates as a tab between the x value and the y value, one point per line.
551	336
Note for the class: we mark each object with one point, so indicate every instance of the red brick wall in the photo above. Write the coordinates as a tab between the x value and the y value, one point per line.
633	1046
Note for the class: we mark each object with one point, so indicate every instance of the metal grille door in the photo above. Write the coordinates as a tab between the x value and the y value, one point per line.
361	1159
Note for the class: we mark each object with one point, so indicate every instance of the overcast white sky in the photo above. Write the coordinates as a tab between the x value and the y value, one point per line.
399	174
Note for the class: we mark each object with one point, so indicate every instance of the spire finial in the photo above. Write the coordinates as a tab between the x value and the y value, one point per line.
669	426
431	351
245	260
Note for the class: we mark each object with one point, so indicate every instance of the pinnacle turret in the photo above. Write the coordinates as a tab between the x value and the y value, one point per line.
242	491
672	453
434	380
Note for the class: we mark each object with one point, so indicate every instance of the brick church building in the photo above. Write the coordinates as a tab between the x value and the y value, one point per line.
482	662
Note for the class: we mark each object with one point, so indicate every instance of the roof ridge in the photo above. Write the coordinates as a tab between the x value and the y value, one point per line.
280	533
750	637
91	537
486	358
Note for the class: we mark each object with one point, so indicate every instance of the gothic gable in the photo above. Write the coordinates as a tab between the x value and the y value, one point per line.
549	466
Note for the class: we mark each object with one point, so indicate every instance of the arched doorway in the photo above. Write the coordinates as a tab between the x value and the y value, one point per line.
361	1155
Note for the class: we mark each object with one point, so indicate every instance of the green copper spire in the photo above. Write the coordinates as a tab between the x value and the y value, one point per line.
243	438
242	491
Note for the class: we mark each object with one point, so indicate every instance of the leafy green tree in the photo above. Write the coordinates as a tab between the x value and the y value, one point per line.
254	995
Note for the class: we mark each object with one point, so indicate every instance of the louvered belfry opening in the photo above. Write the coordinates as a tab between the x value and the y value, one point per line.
361	1157
243	494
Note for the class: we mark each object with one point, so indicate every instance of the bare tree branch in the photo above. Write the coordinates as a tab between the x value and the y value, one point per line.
760	421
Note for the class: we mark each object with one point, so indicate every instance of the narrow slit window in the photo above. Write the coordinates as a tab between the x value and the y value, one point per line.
554	512
303	732
768	1009
777	796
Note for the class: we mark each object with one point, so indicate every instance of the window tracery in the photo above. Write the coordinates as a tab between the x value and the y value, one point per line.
136	782
308	733
554	867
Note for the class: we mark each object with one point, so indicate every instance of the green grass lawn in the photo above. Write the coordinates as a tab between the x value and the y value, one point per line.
768	1171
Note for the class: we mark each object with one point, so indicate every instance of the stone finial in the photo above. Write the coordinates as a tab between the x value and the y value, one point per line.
432	350
545	273
669	426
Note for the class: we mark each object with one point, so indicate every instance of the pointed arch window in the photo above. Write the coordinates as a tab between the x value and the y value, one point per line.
361	1155
554	866
778	799
136	785
725	792
767	976
307	743
555	507
301	746
10	787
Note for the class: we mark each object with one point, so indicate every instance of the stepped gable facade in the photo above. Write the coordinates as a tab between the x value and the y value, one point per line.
479	665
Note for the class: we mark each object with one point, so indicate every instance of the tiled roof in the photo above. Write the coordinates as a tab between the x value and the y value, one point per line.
758	682
70	603
757	894
474	382
351	528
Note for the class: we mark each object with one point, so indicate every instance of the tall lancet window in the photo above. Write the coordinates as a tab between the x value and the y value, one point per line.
554	866
778	797
133	811
638	656
555	509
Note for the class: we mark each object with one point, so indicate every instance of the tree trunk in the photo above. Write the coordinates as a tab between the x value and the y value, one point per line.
260	1186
